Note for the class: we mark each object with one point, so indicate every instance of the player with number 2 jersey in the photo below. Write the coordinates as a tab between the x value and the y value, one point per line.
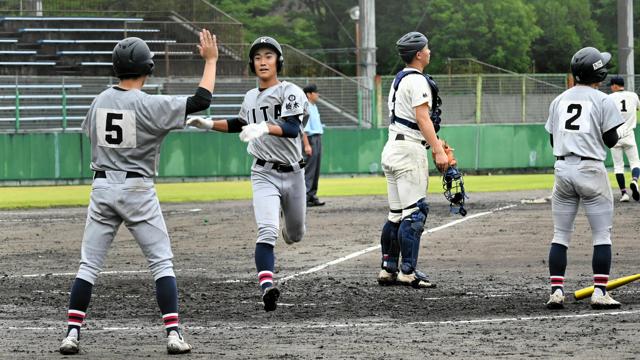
582	123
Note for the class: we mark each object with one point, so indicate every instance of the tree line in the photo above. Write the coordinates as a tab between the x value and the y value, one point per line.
518	35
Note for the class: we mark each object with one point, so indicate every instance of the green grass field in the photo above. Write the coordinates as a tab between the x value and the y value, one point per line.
54	196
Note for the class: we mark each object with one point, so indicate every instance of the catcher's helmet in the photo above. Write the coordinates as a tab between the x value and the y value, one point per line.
131	57
589	65
409	44
269	42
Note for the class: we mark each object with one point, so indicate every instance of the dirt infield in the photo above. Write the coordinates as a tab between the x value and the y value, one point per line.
490	269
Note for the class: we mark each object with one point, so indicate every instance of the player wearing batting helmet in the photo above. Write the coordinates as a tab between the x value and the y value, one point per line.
126	128
582	123
270	120
628	104
405	164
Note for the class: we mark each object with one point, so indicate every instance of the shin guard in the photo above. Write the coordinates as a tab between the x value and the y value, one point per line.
390	246
410	231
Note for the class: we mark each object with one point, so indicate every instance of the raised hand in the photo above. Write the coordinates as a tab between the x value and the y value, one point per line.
208	46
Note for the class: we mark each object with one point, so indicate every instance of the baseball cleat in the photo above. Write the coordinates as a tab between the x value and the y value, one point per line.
556	300
417	279
387	278
270	298
634	190
176	343
624	197
70	345
599	301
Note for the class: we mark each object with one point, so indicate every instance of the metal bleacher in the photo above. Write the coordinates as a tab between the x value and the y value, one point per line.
57	45
52	67
45	103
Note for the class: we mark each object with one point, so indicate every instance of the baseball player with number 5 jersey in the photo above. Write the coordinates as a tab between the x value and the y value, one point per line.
627	103
126	128
270	120
582	123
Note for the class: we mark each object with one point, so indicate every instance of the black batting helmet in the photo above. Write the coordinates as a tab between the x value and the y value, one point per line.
132	57
269	42
589	65
409	44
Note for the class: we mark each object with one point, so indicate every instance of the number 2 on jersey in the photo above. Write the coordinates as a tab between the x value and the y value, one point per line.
116	128
574	116
577	108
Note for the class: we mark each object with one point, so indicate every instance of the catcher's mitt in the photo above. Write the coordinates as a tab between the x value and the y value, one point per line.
447	150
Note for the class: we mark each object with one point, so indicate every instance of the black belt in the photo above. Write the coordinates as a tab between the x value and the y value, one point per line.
280	167
103	175
581	158
401	137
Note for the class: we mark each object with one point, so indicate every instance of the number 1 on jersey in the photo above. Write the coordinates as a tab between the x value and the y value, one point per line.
624	106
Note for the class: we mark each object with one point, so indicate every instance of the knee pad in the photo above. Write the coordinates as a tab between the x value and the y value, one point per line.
409	234
88	273
267	234
390	246
161	269
601	227
395	216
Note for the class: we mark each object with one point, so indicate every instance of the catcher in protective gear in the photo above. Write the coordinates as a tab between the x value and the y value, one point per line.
452	183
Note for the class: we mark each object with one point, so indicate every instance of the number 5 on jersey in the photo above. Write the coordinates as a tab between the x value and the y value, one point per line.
116	128
575	116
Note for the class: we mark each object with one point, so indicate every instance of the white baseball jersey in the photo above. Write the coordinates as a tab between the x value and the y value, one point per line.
627	103
577	119
271	105
414	90
126	129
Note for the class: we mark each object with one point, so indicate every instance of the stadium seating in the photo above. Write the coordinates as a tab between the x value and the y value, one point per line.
45	45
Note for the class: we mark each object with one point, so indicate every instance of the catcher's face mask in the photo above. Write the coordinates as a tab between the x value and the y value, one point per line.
453	186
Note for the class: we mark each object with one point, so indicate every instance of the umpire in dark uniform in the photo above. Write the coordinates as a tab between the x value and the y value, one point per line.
313	146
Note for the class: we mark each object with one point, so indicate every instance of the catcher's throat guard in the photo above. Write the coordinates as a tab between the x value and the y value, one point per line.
453	186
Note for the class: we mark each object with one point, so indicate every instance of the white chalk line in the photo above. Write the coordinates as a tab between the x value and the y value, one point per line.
376	247
343	325
309	271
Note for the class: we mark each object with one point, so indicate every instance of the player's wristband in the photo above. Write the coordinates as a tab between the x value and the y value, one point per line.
234	125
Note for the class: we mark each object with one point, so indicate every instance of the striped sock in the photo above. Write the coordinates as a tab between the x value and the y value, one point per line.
557	282
600	281
171	322
265	278
75	320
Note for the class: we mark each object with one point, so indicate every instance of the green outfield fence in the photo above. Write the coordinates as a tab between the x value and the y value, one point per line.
65	156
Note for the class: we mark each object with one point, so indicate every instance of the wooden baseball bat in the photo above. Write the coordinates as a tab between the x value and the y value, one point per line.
612	284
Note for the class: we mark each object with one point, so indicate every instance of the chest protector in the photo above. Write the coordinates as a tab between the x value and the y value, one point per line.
436	112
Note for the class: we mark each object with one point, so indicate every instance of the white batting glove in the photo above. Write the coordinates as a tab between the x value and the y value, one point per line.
200	123
253	131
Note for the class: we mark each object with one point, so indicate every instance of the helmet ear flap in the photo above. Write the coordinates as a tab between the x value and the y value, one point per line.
280	63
